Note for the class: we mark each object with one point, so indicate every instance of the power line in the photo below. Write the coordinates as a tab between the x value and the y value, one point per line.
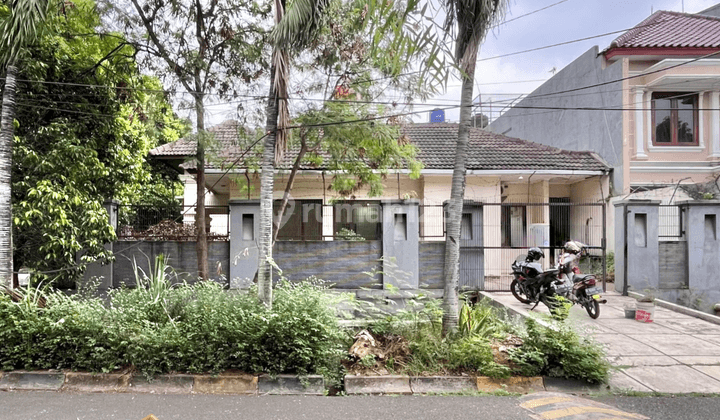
564	43
527	14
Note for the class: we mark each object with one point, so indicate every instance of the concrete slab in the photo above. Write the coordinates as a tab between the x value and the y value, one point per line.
291	385
633	361
713	371
690	325
710	338
620	381
517	384
226	384
100	382
38	381
698	360
630	326
674	379
437	384
162	384
377	384
679	344
622	345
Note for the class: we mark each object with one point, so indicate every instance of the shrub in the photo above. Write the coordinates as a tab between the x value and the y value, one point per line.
158	328
559	351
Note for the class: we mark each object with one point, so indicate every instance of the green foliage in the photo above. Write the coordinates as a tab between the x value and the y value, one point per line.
559	351
559	307
82	138
345	234
431	353
158	328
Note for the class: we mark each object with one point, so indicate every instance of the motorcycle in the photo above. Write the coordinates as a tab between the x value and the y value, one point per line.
532	284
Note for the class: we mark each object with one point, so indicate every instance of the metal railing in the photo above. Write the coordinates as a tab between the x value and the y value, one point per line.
670	223
170	223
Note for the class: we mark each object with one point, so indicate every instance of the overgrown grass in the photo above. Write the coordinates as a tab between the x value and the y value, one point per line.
158	328
556	350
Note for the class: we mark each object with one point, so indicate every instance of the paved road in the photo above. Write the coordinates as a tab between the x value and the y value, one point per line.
28	405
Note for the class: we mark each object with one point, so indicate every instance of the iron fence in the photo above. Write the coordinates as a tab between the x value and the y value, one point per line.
170	223
510	229
670	223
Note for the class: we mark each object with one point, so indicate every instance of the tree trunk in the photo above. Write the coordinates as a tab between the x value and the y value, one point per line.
201	244
267	186
288	188
455	207
6	147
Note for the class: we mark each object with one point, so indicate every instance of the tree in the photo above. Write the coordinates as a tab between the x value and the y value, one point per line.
295	30
383	40
21	22
85	123
206	47
473	19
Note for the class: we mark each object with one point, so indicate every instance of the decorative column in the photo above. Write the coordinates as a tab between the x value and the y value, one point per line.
400	241
714	125
636	245
639	120
104	269
244	228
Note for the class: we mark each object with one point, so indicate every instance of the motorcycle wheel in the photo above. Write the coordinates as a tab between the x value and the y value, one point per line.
517	292
593	308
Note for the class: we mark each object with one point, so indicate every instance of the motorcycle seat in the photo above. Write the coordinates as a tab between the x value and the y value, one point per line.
582	277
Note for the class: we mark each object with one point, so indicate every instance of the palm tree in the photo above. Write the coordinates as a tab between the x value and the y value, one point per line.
473	18
293	30
19	27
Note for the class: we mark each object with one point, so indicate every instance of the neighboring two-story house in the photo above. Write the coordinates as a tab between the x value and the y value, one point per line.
649	104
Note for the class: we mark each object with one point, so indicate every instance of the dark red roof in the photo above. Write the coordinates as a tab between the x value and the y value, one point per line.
665	29
436	144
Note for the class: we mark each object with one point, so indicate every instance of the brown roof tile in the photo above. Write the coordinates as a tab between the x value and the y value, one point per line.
664	29
436	144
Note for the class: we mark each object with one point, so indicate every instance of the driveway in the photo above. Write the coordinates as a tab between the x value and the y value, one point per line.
675	354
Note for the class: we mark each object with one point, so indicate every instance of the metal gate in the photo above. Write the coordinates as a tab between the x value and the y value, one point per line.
500	232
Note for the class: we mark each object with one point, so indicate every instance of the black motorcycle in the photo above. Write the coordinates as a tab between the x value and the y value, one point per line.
532	284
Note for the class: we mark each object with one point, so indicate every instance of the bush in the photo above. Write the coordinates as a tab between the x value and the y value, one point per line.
182	328
559	351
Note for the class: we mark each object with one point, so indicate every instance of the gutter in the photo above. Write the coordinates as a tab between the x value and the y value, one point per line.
488	172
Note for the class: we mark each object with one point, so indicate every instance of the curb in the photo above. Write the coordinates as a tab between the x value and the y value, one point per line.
681	309
406	385
223	384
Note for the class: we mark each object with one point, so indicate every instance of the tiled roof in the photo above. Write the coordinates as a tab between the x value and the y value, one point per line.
436	144
665	29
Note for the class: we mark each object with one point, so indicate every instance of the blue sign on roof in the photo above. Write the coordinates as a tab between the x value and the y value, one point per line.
437	115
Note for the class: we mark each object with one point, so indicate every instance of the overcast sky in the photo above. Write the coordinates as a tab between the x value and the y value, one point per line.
497	80
570	20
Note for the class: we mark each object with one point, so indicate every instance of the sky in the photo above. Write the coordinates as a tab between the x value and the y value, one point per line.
569	20
500	79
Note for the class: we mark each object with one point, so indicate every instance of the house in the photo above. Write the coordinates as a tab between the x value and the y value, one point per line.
529	195
649	105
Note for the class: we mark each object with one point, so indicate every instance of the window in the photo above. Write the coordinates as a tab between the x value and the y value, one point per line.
675	119
302	221
357	219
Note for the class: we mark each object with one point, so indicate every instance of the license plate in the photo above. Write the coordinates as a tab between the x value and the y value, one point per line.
596	297
594	291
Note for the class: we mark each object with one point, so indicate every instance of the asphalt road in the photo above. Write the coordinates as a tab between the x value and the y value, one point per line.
27	405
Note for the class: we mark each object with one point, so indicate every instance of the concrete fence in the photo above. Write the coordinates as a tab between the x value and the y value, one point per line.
683	271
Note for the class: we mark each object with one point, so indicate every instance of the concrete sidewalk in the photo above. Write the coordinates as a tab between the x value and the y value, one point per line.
675	354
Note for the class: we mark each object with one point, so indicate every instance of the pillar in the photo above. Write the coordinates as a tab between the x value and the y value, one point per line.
636	245
700	222
244	230
400	241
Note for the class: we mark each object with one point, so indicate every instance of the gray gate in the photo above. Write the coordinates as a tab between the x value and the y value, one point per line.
472	261
513	228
